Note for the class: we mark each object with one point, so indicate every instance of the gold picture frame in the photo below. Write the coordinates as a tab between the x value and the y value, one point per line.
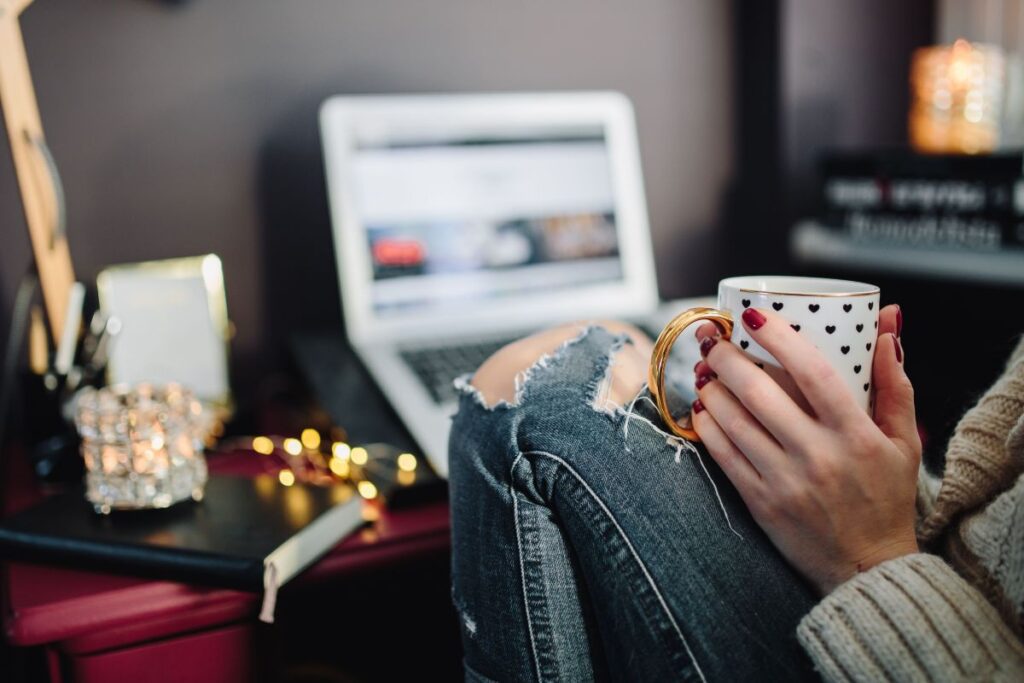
173	325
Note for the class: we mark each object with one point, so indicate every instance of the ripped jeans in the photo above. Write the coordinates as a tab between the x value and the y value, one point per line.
590	545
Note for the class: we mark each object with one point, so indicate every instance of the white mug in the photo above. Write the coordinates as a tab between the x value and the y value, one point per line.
840	317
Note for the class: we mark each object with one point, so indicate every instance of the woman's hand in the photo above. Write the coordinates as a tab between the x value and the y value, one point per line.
835	491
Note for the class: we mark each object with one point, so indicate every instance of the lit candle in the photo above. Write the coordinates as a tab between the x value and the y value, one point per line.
957	93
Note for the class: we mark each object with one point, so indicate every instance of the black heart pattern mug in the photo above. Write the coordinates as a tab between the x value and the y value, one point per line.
839	317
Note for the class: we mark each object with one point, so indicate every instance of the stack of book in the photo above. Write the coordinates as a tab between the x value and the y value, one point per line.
901	199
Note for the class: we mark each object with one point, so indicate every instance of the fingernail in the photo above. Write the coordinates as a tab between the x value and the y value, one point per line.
695	366
704	379
707	343
899	349
698	406
753	318
899	322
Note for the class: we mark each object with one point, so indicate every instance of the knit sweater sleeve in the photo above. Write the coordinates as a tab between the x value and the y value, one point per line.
910	619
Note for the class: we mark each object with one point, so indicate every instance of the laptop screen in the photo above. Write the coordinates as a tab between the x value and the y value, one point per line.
458	223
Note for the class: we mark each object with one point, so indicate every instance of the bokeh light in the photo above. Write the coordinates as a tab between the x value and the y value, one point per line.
263	445
367	490
310	439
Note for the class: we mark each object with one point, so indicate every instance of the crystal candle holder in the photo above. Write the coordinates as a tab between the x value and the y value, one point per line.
142	446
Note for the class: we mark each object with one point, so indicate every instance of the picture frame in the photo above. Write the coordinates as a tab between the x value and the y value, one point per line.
173	325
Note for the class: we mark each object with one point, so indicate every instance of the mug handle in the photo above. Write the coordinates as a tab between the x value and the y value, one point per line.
659	359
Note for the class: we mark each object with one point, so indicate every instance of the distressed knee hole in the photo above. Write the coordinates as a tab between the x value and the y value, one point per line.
501	378
624	379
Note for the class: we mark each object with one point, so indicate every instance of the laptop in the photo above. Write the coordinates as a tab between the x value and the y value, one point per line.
463	222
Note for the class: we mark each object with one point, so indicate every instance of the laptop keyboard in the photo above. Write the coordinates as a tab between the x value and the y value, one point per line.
437	367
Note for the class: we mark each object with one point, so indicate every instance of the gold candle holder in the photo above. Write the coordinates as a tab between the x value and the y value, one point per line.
957	95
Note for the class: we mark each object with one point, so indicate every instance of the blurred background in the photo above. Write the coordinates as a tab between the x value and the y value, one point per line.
186	127
189	127
171	121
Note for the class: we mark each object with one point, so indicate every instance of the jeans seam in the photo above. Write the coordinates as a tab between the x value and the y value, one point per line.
625	538
522	568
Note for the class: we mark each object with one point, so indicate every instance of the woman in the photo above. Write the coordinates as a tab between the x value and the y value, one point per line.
588	543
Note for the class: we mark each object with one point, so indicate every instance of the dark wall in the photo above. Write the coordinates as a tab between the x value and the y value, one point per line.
185	128
845	80
809	75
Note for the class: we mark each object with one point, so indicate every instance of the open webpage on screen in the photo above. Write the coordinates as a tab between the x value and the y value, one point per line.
454	224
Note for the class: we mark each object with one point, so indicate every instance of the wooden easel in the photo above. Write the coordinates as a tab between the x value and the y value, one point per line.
38	181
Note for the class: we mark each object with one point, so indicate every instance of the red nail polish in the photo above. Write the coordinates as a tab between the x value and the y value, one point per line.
899	321
704	379
899	349
695	366
698	406
753	319
706	344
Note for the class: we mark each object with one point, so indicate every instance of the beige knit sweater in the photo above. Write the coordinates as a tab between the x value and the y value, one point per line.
955	612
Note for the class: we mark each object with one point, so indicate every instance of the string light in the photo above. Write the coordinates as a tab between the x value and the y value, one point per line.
263	445
311	439
338	456
339	467
367	490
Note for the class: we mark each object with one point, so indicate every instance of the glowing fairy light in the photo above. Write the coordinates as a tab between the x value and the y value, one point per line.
407	462
341	450
339	467
286	477
263	445
367	490
310	439
359	455
292	446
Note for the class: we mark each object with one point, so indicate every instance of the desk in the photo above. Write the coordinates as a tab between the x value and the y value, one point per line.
388	583
100	627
